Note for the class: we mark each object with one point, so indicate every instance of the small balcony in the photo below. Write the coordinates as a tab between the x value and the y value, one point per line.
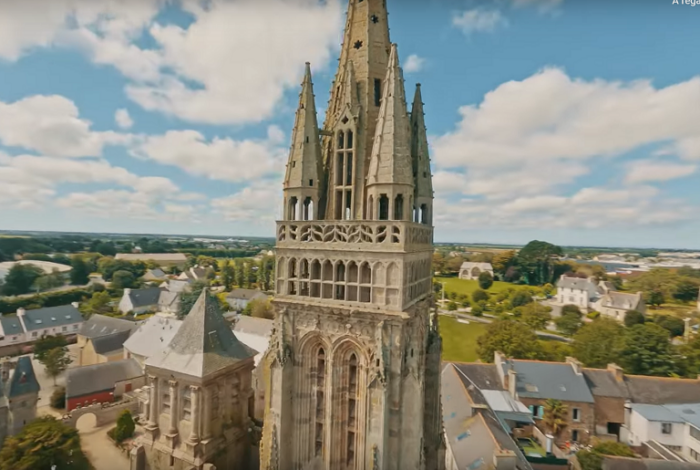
355	235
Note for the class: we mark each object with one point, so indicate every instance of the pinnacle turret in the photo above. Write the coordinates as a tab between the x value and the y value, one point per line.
420	154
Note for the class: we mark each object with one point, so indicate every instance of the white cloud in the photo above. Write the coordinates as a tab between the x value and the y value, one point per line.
52	126
413	64
220	158
543	5
479	20
259	203
644	171
550	116
123	119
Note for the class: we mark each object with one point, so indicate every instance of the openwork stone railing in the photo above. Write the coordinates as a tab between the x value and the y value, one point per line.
354	235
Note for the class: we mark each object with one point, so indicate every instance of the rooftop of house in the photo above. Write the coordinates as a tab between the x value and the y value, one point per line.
156	273
545	380
171	257
204	343
23	380
622	300
102	325
483	376
245	294
143	297
49	317
575	283
177	285
11	325
86	380
111	344
474	433
152	336
642	389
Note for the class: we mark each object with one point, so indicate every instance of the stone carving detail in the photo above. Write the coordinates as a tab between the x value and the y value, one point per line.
378	366
341	232
282	351
375	457
274	449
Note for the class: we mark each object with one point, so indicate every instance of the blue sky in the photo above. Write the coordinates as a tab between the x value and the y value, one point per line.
569	121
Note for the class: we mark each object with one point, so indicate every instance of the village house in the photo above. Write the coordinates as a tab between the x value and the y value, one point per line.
102	383
29	325
149	300
239	299
582	292
196	273
19	395
471	271
589	295
101	339
178	260
616	304
154	275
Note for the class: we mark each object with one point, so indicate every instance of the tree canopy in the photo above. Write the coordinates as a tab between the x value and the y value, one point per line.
596	343
512	338
646	350
634	317
42	443
536	262
485	280
20	279
79	275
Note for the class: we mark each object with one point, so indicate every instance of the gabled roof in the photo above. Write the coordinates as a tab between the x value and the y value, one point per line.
558	381
575	283
144	297
102	325
11	325
156	273
168	299
49	317
171	257
483	376
662	390
622	300
86	380
111	343
204	344
23	379
602	383
153	336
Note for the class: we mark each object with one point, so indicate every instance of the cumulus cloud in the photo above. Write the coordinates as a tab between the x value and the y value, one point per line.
478	20
219	158
413	64
258	203
51	125
123	119
644	171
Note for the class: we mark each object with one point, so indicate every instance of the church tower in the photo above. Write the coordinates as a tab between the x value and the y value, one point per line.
354	359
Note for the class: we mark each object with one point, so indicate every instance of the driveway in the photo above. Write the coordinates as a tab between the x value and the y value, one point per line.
98	448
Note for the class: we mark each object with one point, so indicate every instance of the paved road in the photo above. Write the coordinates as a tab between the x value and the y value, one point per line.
98	448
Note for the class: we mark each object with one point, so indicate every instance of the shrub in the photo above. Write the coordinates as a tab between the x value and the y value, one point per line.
479	294
633	317
593	315
485	280
451	306
466	303
520	298
58	398
477	311
125	427
572	309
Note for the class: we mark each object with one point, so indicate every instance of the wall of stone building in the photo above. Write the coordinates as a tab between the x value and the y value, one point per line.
585	426
608	410
128	385
22	410
87	356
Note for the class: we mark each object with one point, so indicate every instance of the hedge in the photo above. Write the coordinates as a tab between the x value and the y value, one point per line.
52	299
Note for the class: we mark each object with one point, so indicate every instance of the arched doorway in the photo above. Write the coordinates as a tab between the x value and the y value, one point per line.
86	423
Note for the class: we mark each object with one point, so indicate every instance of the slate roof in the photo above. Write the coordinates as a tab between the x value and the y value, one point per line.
144	297
86	380
152	336
483	376
23	379
177	285
662	390
245	294
168	257
253	325
156	273
11	325
576	283
49	317
602	383
656	413
111	343
168	299
102	325
553	380
204	344
622	300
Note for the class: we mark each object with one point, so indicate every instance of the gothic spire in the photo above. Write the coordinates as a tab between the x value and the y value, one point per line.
390	161
419	149
304	164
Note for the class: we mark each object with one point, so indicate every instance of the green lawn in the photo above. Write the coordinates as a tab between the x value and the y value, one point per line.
464	286
459	339
675	310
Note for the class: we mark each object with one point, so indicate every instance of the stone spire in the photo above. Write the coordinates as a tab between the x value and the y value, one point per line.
423	178
204	344
304	164
390	161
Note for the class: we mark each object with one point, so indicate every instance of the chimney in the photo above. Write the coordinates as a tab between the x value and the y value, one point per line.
127	291
512	379
5	370
498	360
617	371
75	304
548	444
575	364
21	311
686	329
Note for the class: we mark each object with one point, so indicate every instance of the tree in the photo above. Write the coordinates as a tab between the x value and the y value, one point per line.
655	298
657	279
261	308
514	339
520	298
593	459
646	350
49	281
572	309
79	275
56	362
99	303
502	261
596	344
690	355
228	275
479	294
512	274
58	398
674	325
477	310
554	351
687	290
438	262
451	305
633	317
20	278
548	289
555	416
43	345
240	273
485	280
43	443
125	426
122	280
569	323
535	315
536	261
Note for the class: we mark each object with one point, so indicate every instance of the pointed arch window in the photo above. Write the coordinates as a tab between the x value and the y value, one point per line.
320	411
351	432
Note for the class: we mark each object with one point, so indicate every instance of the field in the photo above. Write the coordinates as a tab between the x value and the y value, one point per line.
676	310
464	286
459	339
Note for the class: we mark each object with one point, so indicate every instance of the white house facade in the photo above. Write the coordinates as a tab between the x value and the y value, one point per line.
676	427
